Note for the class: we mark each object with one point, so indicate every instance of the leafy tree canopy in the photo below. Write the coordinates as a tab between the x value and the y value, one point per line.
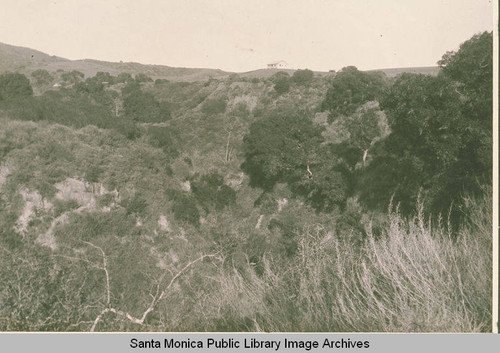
285	147
42	77
140	77
472	68
350	88
72	77
302	77
14	85
440	145
214	106
281	82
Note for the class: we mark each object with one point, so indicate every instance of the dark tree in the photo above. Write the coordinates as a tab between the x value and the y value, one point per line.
285	147
440	145
351	88
302	77
281	82
212	193
143	107
72	77
14	85
140	77
213	106
472	68
185	210
124	77
42	77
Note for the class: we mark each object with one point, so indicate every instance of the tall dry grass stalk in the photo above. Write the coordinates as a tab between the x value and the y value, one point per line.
414	274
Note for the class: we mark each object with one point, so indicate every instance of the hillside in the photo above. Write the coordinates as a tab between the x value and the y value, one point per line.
282	201
22	59
392	72
25	60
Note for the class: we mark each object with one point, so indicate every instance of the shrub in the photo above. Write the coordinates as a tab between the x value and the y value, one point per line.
214	106
185	210
302	77
164	138
140	77
14	86
143	107
281	83
42	77
211	192
124	77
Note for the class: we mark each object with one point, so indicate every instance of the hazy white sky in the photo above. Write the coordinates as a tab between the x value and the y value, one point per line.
242	35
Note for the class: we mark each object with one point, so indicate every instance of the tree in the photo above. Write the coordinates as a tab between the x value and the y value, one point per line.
212	193
72	77
472	68
124	77
281	82
143	107
96	83
42	77
424	117
14	85
352	136
213	106
140	78
351	88
302	77
285	147
440	144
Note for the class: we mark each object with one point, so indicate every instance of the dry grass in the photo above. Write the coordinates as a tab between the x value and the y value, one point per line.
415	273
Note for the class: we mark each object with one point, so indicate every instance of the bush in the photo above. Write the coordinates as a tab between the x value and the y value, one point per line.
211	192
214	106
164	138
14	86
140	77
281	82
302	77
351	88
185	210
42	77
143	107
124	77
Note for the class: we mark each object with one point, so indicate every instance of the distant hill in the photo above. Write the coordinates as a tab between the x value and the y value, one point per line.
426	70
22	59
26	60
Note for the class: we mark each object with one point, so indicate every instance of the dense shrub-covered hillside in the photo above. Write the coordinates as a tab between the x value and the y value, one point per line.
342	202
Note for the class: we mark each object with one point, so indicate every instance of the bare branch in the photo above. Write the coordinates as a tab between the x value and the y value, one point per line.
154	301
104	268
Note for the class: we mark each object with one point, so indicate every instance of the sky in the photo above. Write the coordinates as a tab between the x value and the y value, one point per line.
244	35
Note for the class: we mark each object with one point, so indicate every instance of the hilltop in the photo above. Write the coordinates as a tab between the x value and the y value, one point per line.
26	60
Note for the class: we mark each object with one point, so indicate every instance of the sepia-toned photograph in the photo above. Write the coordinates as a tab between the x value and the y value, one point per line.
246	166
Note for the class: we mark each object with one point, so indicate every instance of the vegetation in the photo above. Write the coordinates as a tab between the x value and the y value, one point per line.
302	77
353	202
350	89
14	86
